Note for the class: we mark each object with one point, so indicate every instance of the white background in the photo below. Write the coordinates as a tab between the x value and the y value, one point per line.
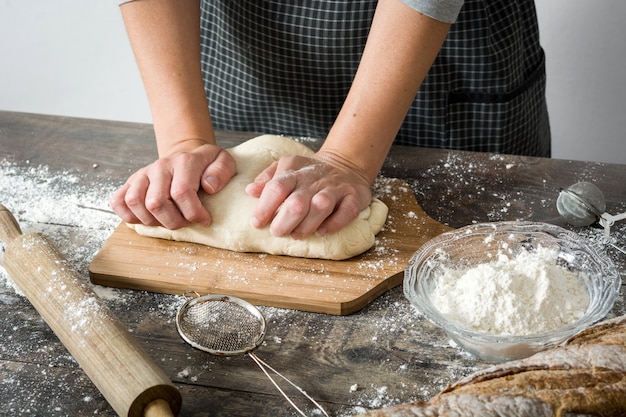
71	57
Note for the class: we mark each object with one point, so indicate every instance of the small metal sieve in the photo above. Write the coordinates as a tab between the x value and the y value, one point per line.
229	326
583	204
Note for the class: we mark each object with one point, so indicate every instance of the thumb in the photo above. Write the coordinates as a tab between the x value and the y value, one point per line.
218	173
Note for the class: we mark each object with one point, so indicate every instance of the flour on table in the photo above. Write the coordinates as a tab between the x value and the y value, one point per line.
231	210
522	295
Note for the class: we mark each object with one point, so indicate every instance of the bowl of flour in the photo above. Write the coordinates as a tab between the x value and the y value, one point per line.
507	290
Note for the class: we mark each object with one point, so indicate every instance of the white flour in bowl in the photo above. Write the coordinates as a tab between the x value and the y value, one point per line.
521	295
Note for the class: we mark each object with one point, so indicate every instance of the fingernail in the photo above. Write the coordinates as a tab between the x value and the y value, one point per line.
254	222
211	183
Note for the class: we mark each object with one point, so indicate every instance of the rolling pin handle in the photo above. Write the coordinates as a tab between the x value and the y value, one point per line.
158	408
9	228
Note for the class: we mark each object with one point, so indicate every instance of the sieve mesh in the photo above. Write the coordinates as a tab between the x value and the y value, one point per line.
221	326
226	325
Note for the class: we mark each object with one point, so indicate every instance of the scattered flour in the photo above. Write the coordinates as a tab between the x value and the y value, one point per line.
523	295
60	206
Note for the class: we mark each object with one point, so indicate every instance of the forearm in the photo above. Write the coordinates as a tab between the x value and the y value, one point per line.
400	50
165	37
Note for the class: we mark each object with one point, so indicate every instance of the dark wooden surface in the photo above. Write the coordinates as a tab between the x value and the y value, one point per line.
387	351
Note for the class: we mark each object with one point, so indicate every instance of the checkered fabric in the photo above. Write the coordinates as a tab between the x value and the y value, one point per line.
285	68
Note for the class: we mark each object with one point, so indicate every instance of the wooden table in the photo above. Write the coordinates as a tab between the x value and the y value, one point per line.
56	175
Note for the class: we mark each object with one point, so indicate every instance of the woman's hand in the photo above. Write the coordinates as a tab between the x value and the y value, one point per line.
299	195
166	192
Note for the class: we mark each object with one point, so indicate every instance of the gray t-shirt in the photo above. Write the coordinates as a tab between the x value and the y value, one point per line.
442	10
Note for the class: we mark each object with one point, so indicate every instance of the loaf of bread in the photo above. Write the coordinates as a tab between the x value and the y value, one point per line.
586	375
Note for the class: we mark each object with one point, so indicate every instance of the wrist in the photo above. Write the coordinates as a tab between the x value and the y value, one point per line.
182	145
337	160
357	148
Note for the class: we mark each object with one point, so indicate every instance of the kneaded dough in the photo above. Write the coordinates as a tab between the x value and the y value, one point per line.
231	210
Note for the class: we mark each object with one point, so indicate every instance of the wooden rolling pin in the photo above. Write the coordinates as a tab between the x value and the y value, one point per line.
129	380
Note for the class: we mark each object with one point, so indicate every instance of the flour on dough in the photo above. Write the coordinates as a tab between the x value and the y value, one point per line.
231	209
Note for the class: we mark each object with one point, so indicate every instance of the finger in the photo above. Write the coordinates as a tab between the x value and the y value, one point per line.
135	200
255	188
158	200
219	172
272	197
322	205
290	214
119	206
347	210
183	192
187	202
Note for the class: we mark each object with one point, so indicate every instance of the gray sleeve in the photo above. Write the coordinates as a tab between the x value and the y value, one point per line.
442	10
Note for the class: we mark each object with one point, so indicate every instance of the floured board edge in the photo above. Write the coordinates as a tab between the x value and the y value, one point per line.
129	260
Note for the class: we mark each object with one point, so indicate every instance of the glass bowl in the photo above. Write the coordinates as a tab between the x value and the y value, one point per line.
482	243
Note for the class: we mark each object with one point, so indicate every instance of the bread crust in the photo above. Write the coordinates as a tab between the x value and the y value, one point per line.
584	375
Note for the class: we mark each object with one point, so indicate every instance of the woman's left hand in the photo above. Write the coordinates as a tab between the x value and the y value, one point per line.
300	195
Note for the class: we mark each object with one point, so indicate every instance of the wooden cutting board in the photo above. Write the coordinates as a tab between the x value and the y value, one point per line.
129	260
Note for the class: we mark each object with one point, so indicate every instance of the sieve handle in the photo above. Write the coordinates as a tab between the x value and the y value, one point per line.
265	367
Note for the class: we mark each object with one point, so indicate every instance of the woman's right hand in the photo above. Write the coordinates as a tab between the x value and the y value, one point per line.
165	192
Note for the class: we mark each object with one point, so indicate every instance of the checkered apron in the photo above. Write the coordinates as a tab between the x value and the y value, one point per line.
280	67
